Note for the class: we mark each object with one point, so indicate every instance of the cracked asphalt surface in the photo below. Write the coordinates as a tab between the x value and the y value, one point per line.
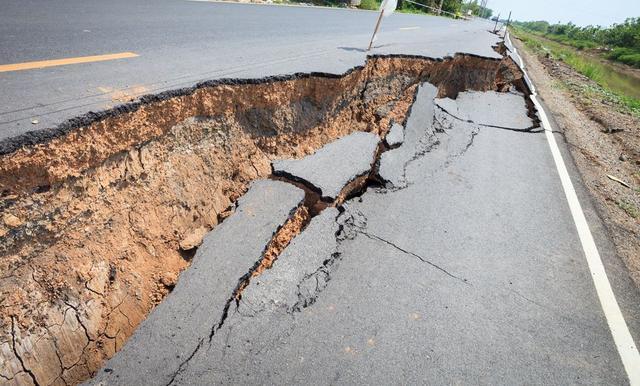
464	267
334	166
469	271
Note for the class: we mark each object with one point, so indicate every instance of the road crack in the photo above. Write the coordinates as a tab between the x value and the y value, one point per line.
280	239
531	129
421	258
15	352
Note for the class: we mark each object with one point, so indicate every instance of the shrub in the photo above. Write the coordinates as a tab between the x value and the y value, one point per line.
625	55
632	59
618	52
369	4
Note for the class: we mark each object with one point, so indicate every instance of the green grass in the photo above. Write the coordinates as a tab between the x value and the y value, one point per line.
532	43
414	9
410	8
623	103
323	3
629	208
612	87
369	4
578	62
625	55
578	44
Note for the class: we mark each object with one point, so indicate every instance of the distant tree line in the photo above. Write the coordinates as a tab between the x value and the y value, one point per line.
456	7
622	40
476	9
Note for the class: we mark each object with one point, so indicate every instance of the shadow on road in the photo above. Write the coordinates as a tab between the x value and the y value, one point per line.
352	49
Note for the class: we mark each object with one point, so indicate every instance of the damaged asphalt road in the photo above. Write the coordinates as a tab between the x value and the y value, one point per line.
462	267
386	218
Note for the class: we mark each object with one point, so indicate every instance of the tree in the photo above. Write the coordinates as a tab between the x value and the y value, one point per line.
477	9
451	6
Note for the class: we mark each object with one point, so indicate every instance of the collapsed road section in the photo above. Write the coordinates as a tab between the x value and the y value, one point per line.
101	214
197	337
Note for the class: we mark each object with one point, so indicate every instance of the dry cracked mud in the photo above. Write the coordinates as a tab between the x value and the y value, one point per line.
100	215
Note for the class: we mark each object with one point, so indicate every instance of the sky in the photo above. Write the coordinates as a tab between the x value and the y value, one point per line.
582	12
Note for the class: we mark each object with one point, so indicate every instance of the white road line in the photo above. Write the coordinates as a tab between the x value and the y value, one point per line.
408	28
618	326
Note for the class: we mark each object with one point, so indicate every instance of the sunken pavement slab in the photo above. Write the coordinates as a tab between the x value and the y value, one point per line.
293	281
465	114
490	108
331	168
187	318
269	306
418	137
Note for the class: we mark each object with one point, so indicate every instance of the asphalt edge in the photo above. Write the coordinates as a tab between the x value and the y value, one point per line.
618	327
45	135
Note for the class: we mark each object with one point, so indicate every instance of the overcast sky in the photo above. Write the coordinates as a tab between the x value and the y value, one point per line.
584	12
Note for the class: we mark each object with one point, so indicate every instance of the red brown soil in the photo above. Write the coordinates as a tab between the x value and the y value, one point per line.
282	238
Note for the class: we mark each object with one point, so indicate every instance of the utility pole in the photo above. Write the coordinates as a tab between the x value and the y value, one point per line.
495	28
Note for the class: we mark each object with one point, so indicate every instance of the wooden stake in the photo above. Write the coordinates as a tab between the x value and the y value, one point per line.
506	26
375	31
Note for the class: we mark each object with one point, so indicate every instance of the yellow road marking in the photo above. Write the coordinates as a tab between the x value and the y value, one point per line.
64	62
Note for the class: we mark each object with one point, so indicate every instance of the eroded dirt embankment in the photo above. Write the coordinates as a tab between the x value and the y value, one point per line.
99	219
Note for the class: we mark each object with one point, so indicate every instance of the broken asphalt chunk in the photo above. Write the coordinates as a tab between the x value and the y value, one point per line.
418	137
331	168
395	137
490	108
293	280
177	328
450	106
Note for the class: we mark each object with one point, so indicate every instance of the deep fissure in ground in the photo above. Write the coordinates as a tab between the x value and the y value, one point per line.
101	215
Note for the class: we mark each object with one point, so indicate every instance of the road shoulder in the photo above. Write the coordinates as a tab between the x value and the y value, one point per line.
596	154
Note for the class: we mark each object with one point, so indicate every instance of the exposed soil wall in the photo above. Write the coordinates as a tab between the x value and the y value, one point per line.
101	215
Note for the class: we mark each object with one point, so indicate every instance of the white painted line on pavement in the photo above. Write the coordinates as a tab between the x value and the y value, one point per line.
408	28
618	326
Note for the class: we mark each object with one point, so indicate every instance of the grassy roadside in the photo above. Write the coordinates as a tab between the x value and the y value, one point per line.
618	37
614	89
369	4
603	139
